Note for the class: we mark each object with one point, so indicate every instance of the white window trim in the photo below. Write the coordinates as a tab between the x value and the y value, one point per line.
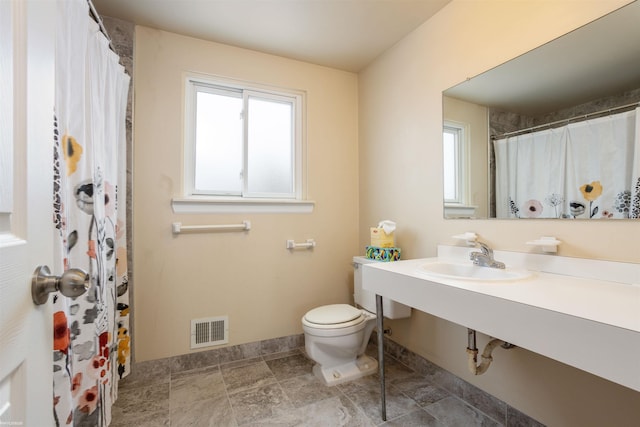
196	203
206	204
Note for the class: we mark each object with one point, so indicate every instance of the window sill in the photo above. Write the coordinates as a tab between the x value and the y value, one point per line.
452	210
190	205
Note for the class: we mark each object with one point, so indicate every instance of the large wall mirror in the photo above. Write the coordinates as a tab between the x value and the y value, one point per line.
554	133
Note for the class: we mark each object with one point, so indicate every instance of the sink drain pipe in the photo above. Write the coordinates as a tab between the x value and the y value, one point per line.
472	351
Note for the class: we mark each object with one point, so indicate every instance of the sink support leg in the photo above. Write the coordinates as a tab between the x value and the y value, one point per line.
380	327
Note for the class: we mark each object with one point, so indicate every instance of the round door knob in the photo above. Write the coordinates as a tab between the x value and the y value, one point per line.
73	282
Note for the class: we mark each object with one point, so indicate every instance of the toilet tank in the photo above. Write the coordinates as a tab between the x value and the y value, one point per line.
367	300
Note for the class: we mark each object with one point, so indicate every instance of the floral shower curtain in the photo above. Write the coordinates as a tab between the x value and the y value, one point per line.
91	340
589	169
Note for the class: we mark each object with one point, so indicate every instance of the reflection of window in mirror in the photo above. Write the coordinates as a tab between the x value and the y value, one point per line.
456	183
453	149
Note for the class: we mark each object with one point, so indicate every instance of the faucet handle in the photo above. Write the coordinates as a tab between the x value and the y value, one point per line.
485	249
485	257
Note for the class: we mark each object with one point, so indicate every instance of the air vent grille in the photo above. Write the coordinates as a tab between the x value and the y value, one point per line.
209	331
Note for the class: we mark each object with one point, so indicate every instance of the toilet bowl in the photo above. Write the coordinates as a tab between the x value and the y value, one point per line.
336	335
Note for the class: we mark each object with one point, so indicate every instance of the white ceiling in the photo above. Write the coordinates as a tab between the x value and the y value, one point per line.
343	34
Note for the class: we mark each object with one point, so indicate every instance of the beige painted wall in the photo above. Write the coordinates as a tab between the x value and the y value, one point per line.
400	112
264	288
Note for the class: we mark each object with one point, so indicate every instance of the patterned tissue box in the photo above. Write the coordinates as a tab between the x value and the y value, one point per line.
383	254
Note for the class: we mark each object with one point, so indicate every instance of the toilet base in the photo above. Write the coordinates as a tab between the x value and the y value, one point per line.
358	368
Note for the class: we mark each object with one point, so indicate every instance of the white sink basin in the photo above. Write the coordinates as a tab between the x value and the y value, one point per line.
449	270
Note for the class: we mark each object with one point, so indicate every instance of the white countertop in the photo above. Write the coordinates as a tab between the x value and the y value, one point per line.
586	321
607	302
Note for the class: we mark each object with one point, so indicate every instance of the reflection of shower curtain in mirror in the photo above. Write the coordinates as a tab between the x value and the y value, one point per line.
588	169
91	340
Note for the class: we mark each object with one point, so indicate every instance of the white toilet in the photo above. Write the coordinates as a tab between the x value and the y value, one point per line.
336	335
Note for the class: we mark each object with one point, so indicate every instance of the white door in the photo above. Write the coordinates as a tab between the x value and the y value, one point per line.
27	31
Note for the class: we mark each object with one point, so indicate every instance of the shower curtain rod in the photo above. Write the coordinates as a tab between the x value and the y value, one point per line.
96	16
582	116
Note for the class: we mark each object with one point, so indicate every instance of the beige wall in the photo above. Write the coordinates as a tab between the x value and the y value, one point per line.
251	277
400	127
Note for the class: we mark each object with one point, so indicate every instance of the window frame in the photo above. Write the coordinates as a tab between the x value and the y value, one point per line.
193	201
191	91
460	204
296	159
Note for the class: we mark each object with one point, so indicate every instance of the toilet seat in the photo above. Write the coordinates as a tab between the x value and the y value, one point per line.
333	316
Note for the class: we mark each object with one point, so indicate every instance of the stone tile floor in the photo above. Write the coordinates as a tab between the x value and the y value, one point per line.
279	390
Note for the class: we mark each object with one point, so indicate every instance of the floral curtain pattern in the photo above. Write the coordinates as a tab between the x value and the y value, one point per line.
91	339
589	169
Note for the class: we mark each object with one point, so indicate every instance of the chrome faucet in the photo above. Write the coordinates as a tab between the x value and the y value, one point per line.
485	257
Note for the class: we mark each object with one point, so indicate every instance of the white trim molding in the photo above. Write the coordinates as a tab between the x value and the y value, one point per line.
192	205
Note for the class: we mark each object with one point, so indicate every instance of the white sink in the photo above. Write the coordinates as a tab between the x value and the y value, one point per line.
459	271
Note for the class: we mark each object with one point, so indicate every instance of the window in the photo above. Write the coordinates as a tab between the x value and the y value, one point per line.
243	143
457	187
454	160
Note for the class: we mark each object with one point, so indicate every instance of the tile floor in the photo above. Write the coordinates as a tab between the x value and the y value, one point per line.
279	390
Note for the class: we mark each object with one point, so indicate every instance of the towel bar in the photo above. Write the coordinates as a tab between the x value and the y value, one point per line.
178	228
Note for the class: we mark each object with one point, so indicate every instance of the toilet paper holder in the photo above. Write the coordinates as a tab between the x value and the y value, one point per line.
309	244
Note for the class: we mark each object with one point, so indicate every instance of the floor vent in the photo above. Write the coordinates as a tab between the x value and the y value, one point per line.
210	331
